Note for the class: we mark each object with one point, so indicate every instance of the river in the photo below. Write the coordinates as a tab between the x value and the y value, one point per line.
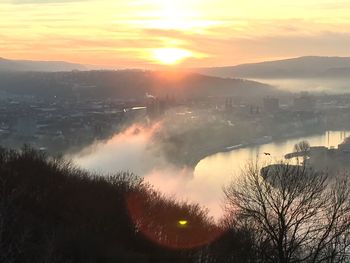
314	85
204	183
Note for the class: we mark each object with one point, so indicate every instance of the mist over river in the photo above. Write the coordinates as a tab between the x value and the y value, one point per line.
130	151
312	85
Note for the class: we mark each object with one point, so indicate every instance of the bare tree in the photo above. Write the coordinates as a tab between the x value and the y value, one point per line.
297	215
302	148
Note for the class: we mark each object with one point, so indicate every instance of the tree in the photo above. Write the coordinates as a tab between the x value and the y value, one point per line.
297	215
236	245
302	148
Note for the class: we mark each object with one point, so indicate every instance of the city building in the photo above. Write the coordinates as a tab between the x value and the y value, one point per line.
271	104
304	102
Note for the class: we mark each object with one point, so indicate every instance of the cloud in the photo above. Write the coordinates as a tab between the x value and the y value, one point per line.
122	33
18	2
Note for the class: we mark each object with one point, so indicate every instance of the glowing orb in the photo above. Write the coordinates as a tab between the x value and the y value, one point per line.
170	55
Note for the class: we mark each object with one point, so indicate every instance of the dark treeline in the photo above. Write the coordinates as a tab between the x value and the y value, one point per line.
51	211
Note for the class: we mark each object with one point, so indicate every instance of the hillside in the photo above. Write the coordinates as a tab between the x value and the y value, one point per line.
126	84
302	67
52	211
29	65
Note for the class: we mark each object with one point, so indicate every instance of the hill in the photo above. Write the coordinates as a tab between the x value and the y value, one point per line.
52	211
302	67
126	84
29	65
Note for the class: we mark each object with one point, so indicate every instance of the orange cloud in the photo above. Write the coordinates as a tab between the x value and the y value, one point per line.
122	33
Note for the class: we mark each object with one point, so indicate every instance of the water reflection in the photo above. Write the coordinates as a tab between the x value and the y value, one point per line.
129	151
217	170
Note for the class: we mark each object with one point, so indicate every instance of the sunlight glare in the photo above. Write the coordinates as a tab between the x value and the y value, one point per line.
171	55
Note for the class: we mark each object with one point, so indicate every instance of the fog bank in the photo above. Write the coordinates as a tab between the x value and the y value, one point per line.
136	150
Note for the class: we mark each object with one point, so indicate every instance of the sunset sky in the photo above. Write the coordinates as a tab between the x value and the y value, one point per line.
146	34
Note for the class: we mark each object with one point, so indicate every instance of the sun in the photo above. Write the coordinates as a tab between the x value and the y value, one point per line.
171	56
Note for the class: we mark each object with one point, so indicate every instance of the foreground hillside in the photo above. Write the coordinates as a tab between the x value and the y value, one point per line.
53	212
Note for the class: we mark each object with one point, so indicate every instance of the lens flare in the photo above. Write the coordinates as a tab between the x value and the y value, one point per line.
160	223
183	223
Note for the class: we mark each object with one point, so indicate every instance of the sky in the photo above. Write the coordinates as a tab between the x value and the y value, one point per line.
185	33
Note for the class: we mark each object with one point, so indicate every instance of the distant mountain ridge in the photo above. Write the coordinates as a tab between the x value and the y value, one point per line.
46	66
302	67
127	84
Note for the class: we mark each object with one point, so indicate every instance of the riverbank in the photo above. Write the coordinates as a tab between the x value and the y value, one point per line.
199	155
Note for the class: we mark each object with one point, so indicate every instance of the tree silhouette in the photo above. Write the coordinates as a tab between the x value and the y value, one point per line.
297	215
